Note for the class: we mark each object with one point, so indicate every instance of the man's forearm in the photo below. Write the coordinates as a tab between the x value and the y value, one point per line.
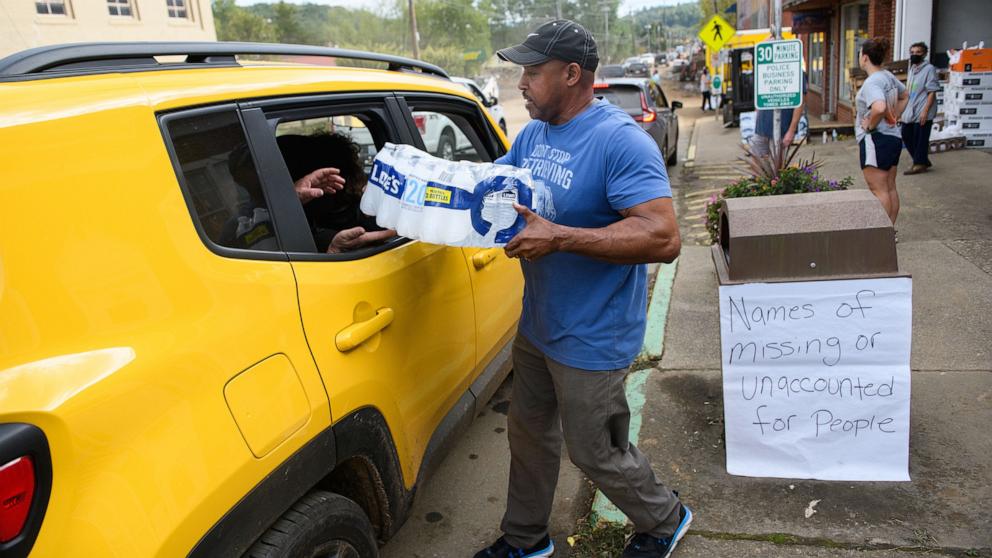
797	114
631	240
930	100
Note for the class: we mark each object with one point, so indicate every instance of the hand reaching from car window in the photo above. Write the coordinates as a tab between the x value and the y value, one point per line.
357	237
327	180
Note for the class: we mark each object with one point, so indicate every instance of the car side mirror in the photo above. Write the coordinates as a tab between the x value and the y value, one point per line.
491	101
676	105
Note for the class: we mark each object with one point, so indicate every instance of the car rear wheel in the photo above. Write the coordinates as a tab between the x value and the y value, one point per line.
502	126
319	525
673	159
446	145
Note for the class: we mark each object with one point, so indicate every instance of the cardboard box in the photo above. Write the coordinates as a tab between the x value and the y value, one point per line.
973	60
953	110
970	79
983	141
969	98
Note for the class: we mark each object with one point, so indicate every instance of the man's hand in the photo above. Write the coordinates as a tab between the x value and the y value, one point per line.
923	119
319	182
539	238
787	139
355	238
865	123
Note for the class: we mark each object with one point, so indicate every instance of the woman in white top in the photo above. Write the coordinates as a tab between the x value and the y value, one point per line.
881	98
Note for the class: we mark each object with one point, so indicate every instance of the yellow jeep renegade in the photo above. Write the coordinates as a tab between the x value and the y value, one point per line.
184	369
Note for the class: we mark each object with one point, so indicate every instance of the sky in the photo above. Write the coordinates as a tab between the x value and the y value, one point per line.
626	6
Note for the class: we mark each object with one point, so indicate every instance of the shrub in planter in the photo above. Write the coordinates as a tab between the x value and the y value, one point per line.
790	180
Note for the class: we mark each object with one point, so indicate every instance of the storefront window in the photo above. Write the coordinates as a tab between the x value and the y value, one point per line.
816	60
854	31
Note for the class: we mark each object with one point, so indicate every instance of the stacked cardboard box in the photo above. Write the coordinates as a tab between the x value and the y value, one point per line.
967	98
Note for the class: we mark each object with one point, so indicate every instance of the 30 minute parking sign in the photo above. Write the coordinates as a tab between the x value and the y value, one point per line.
778	74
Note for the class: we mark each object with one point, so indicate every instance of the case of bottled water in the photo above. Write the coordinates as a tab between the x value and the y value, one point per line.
455	203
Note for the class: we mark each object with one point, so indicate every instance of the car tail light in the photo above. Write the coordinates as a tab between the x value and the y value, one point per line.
17	485
600	85
647	115
421	121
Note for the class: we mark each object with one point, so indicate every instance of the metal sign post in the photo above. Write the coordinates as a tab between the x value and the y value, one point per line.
777	120
778	77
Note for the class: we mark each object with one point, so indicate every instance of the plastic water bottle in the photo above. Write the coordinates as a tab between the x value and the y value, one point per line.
833	134
824	137
455	203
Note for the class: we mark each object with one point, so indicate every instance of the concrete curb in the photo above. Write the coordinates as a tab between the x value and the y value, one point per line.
602	509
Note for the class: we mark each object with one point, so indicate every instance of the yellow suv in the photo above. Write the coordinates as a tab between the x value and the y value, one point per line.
184	369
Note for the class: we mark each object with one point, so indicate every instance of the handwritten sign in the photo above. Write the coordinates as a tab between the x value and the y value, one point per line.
816	378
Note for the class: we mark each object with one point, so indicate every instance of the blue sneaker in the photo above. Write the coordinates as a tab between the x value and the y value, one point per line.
642	545
502	549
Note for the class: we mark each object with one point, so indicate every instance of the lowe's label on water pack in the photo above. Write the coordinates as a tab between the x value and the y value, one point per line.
456	203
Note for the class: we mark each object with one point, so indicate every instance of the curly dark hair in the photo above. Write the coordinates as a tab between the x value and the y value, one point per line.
305	154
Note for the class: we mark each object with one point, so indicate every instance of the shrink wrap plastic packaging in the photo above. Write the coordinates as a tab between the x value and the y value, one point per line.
455	203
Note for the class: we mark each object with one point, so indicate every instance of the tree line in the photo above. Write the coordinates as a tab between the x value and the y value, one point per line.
458	35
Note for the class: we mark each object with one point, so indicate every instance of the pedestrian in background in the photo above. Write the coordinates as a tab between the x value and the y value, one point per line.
917	119
764	127
704	88
606	211
881	98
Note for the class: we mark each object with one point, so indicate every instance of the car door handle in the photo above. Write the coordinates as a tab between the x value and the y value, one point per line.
482	258
360	332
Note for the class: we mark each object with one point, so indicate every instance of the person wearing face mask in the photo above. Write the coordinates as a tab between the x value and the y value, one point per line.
881	98
917	119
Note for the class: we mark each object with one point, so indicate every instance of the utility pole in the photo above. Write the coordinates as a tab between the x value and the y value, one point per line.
606	51
777	119
414	34
557	9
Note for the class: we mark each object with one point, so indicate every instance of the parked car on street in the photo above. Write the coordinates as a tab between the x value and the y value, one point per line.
646	103
184	372
611	71
638	69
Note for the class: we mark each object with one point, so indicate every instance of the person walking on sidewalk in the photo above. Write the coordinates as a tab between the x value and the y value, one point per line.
706	89
876	126
917	119
604	208
764	128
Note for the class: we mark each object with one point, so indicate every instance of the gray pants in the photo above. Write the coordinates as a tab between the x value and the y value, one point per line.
591	407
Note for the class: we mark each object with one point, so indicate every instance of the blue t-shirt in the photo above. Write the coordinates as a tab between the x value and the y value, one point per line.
582	312
765	125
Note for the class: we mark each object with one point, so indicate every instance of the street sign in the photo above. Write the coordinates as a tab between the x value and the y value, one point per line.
778	74
715	32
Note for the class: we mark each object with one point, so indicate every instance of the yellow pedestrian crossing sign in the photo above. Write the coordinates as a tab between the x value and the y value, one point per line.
715	32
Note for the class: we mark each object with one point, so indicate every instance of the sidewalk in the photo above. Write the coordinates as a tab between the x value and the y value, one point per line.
944	232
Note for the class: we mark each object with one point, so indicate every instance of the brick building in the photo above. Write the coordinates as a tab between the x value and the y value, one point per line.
832	32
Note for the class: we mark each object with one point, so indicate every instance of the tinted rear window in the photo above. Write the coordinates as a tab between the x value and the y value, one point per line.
624	96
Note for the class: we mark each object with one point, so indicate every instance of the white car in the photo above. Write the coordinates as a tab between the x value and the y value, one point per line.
490	102
443	138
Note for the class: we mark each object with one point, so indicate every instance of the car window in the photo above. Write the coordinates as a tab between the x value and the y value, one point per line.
449	136
350	125
220	180
659	96
346	140
627	97
475	91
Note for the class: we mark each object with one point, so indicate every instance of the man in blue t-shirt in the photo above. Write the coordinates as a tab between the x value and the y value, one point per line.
602	209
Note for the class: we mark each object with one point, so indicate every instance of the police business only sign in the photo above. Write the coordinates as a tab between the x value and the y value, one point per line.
778	74
816	378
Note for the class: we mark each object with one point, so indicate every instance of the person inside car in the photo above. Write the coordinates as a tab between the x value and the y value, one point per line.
329	181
